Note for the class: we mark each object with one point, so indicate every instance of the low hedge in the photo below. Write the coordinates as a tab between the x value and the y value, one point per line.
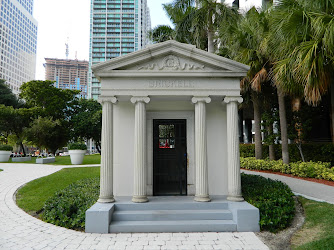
67	207
274	199
319	170
323	152
6	148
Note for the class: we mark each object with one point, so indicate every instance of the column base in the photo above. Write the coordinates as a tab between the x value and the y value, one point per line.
106	199
202	198
139	199
235	198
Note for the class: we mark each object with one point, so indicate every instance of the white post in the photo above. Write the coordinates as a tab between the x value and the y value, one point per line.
233	155
139	192
106	176
201	162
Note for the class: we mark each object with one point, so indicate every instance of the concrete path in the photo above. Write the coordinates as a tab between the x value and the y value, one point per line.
308	189
19	230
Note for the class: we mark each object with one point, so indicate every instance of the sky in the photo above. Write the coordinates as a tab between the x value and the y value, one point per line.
68	20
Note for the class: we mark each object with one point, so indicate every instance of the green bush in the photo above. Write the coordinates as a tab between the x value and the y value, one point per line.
6	148
323	152
77	145
67	207
274	199
319	170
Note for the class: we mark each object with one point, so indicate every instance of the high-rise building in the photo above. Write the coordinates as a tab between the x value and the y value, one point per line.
245	5
67	74
117	27
18	42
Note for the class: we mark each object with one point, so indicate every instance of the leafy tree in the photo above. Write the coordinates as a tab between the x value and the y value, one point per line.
53	102
7	97
45	132
87	121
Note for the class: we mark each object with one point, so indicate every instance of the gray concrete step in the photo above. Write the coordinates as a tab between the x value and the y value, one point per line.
171	206
173	226
164	215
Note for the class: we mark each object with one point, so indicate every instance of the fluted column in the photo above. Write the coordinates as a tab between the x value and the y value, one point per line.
233	155
201	161
106	176
139	192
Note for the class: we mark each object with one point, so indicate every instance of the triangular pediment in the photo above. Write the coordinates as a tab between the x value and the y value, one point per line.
167	57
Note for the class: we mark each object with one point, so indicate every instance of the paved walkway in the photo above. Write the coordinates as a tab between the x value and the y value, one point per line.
19	230
308	189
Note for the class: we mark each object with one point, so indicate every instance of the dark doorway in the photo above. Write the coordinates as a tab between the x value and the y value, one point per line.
169	157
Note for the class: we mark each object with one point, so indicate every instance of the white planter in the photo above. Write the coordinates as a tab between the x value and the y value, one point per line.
77	156
4	155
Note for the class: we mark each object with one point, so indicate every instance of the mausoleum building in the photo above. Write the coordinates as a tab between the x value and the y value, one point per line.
170	143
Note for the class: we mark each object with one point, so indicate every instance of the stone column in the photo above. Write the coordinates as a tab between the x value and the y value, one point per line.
233	154
106	176
139	192
201	161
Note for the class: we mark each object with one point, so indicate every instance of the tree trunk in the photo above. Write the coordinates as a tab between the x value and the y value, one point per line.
98	147
271	145
241	126
211	47
257	126
284	129
332	111
22	148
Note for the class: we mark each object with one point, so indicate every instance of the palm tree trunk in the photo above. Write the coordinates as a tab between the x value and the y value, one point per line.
257	126
271	145
284	129
211	47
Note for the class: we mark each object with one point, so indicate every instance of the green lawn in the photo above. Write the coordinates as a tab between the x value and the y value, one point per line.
33	195
65	160
1	170
318	231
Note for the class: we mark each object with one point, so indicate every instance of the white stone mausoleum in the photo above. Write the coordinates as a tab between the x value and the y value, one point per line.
170	148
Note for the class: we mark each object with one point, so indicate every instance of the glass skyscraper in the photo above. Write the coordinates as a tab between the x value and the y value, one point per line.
18	42
117	27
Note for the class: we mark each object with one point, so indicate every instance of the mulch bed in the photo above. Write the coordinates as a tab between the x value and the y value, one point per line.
325	182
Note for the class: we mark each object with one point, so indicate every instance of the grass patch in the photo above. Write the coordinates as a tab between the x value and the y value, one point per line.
65	160
318	230
1	170
32	196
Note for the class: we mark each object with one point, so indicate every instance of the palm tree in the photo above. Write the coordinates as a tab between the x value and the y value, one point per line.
305	30
303	38
245	41
162	33
196	21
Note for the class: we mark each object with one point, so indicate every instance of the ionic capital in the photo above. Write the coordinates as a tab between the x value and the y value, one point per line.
229	99
103	99
197	99
144	99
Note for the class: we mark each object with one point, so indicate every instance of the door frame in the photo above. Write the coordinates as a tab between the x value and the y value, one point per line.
189	116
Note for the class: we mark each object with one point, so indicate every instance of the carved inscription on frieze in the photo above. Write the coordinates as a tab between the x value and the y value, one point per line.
172	84
171	63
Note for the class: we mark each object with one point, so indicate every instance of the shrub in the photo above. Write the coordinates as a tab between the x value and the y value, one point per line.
77	145
274	199
6	148
323	152
319	170
67	207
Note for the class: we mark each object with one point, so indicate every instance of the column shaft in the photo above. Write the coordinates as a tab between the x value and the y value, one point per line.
201	161
234	177
106	176
139	192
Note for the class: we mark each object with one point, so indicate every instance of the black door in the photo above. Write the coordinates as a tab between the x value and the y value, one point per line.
169	157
